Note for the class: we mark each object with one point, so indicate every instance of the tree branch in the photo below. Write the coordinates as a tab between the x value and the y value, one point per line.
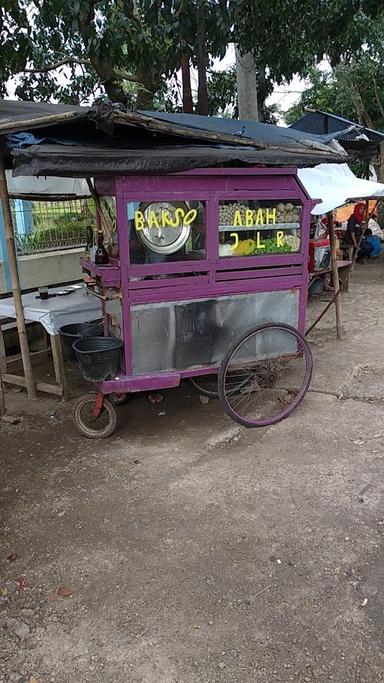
82	62
125	77
56	65
377	96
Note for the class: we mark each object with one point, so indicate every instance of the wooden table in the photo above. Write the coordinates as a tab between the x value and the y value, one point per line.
51	314
344	268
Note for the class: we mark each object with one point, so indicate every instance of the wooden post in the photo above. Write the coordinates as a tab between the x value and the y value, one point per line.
58	364
335	273
2	395
99	211
10	241
3	356
381	162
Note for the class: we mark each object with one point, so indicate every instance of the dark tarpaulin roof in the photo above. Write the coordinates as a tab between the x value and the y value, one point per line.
264	132
351	135
16	112
322	122
79	161
105	139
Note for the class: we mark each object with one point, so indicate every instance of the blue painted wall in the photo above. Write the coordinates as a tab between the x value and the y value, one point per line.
3	252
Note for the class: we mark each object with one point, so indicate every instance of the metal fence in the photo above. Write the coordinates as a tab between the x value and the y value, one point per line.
52	225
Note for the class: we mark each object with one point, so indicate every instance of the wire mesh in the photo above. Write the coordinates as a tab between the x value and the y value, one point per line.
52	225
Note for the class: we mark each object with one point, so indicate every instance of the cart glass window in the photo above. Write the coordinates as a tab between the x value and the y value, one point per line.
259	227
164	231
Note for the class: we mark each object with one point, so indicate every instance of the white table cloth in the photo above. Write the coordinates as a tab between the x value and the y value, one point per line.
76	307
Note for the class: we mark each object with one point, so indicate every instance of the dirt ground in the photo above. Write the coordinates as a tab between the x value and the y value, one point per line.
187	549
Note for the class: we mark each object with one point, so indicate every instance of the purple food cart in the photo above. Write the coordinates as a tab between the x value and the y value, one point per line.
209	283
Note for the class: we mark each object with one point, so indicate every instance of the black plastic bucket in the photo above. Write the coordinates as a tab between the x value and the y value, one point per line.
99	357
73	332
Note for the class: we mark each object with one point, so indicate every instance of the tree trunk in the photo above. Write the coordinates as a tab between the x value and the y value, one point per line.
362	114
246	86
146	95
186	81
377	97
202	95
113	89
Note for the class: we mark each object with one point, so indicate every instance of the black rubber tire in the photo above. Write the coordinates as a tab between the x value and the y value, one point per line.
304	388
84	429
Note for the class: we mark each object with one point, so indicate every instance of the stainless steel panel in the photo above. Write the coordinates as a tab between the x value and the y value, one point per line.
185	334
153	337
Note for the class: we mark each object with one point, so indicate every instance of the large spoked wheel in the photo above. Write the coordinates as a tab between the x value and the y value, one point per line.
93	421
277	362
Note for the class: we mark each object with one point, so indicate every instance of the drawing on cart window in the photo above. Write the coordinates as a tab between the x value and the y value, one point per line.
166	231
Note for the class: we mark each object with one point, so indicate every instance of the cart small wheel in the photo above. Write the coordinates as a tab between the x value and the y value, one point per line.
275	365
119	398
94	427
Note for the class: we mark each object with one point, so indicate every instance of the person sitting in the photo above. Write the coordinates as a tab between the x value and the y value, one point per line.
354	232
374	240
374	226
355	221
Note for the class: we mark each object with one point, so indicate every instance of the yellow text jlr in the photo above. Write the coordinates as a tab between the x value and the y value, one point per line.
259	244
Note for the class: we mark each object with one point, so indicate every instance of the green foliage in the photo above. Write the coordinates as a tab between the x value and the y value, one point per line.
55	226
320	93
124	48
128	49
354	91
288	37
54	237
222	92
71	222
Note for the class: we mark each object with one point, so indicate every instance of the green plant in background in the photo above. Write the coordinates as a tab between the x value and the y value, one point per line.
72	222
62	224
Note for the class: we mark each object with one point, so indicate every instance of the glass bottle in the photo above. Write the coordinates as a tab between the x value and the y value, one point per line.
101	255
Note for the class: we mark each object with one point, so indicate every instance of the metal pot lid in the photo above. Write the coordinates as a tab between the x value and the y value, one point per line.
164	240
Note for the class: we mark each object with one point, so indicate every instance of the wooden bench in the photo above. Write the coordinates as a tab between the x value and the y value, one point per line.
58	389
344	268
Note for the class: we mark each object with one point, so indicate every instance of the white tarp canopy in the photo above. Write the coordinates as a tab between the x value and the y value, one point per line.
30	186
336	185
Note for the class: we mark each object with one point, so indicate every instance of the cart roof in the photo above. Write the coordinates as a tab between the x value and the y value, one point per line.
354	137
64	140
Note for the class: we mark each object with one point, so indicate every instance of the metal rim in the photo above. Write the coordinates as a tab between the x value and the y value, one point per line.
277	382
181	236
